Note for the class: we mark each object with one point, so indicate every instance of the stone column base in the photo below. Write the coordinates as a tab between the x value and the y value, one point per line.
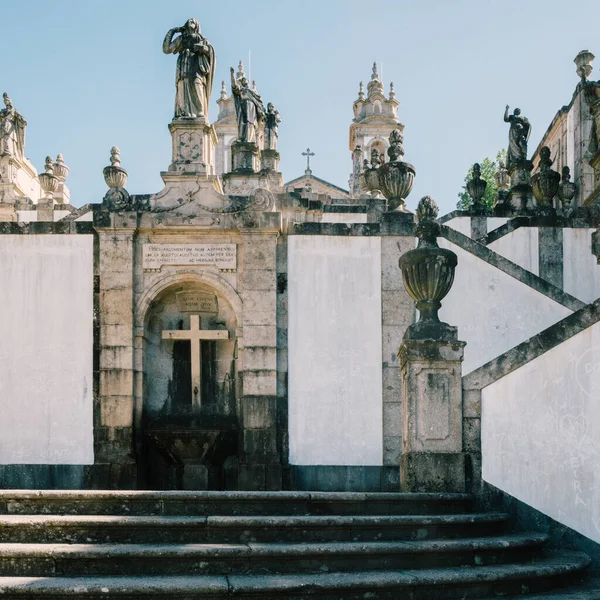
432	472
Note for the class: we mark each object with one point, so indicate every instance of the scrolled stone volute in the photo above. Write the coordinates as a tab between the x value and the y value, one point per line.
545	182
476	187
428	274
567	189
396	177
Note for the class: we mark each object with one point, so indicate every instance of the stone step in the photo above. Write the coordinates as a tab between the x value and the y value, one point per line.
236	529
92	502
425	584
51	560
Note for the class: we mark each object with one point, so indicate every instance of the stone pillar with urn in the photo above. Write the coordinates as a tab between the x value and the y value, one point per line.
431	354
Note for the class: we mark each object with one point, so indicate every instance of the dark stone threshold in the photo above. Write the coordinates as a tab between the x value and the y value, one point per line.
533	347
325	478
510	268
527	518
48	227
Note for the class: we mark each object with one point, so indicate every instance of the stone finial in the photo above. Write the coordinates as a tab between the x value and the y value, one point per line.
49	165
361	91
48	181
375	158
392	92
223	90
60	169
115	157
240	71
584	61
396	151
375	85
567	189
427	229
476	187
375	73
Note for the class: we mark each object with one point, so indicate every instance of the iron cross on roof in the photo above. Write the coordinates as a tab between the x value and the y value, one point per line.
308	154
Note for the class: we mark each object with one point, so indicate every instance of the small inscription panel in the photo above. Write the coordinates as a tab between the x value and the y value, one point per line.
223	256
197	302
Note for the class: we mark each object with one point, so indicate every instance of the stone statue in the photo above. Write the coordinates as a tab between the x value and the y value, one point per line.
517	137
12	129
195	69
249	108
272	121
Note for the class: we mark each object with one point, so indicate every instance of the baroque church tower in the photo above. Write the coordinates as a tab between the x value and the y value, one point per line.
375	117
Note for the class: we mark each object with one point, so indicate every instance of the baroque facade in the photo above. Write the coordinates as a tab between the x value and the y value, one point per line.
233	331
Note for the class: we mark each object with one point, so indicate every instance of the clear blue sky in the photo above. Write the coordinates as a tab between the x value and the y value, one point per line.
91	74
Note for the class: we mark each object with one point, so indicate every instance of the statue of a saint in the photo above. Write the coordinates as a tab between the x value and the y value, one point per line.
518	135
272	121
12	129
249	108
195	69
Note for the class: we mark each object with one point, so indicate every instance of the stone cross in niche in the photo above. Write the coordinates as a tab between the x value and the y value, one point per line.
195	335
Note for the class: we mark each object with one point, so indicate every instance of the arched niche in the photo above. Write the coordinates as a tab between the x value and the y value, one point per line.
184	441
167	368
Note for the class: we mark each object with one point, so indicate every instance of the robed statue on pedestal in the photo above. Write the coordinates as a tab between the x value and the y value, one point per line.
249	107
12	130
195	69
518	136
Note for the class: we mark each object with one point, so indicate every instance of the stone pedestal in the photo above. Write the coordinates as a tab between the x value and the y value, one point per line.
193	144
432	446
520	195
45	209
244	184
245	157
8	213
269	160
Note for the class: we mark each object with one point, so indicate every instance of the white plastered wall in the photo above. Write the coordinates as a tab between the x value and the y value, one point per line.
520	246
581	269
344	218
46	349
492	310
541	433
334	344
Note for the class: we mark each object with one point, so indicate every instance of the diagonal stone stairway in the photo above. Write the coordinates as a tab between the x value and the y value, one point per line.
260	545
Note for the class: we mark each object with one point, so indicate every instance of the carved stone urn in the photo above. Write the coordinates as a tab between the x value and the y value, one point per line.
115	176
48	181
567	189
371	174
545	182
396	177
428	274
476	189
60	169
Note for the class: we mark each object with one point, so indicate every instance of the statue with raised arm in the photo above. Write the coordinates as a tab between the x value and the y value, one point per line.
195	69
12	130
518	136
249	108
272	121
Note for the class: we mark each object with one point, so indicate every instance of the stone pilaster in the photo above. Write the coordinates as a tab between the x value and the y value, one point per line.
260	463
432	416
550	249
114	410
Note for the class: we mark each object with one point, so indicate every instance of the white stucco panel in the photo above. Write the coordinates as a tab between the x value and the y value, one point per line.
460	224
46	349
541	433
344	218
520	246
581	269
492	310
335	340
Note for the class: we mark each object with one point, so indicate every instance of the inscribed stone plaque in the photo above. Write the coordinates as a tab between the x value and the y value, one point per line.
197	302
223	256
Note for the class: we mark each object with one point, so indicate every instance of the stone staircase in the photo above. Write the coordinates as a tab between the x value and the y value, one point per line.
313	545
